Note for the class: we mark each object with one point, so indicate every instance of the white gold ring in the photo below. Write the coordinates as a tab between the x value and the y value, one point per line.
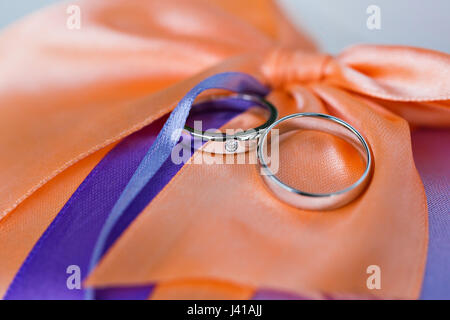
243	141
323	123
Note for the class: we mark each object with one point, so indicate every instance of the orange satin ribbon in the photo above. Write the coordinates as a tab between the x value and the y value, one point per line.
77	91
20	231
67	93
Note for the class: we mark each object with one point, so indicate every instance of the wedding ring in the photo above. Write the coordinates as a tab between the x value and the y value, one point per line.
323	123
241	141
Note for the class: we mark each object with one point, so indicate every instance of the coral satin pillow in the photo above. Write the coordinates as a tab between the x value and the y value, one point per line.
214	230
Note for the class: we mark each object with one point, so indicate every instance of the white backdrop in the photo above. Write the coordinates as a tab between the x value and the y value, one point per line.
335	24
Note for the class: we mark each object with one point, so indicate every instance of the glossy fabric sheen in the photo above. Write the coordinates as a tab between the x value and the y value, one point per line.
20	232
431	153
178	237
103	74
70	238
132	61
161	149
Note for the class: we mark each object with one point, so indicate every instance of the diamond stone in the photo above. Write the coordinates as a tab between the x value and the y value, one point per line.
231	145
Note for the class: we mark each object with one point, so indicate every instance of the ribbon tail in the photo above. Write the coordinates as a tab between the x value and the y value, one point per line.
395	73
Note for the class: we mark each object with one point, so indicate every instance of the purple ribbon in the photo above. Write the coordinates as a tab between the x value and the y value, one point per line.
71	237
431	149
161	149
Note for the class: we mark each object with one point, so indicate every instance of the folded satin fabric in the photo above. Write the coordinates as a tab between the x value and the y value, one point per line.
146	46
71	236
100	76
78	224
125	50
259	242
20	231
162	148
431	154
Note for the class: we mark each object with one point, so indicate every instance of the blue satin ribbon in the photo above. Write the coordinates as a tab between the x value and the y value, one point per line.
70	238
162	148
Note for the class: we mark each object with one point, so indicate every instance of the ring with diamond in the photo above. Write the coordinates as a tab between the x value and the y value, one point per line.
316	122
242	141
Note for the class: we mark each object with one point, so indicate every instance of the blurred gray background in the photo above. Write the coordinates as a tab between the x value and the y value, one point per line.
334	24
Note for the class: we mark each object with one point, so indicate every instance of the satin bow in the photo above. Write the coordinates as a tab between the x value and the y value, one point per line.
76	92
